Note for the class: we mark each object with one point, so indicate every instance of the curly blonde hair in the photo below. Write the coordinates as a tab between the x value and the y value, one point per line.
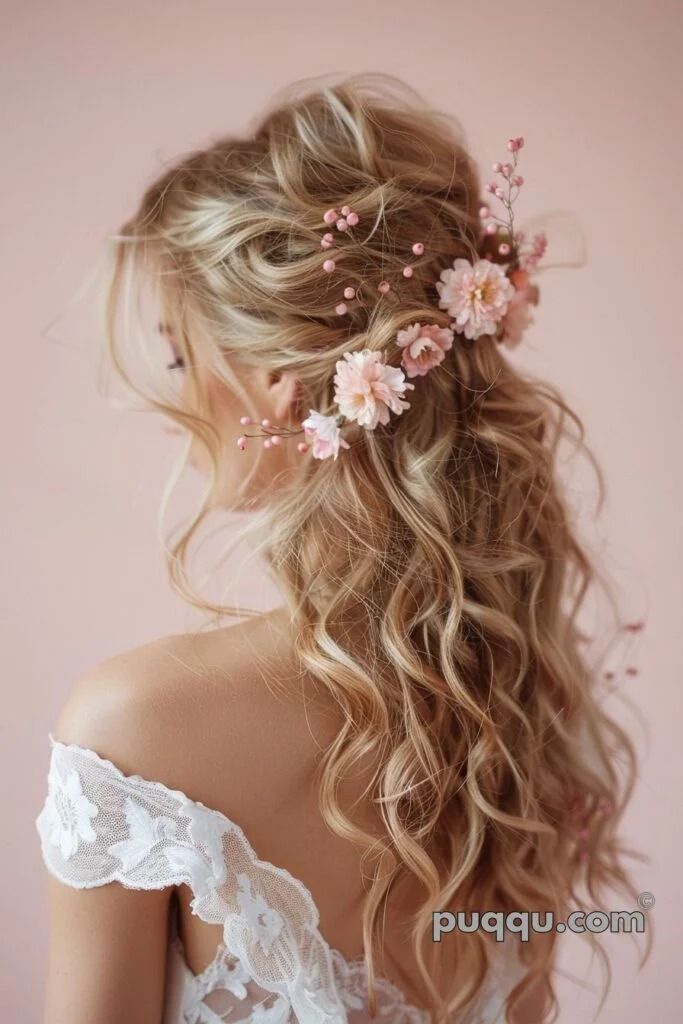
444	535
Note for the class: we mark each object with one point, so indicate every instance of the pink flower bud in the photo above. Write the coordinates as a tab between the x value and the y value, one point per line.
342	224
512	145
407	271
503	249
500	192
330	216
507	168
491	187
418	248
268	443
484	212
345	211
383	287
352	219
497	166
327	241
245	420
491	229
265	423
341	308
520	141
301	447
276	440
328	266
241	443
349	293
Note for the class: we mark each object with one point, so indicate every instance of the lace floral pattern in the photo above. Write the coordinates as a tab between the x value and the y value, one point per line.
273	966
68	812
144	832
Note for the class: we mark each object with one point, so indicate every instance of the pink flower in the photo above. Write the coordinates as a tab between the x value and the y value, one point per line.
530	259
476	295
424	346
366	389
518	317
325	434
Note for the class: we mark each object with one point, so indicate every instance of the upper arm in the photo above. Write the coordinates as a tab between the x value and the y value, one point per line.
107	952
107	944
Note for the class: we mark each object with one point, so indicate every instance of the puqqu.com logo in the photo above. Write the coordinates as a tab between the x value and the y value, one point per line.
525	923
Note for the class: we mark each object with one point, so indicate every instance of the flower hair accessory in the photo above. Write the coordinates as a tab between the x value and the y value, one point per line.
490	296
366	391
493	297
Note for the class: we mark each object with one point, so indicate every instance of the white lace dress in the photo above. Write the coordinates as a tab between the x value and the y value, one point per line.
273	966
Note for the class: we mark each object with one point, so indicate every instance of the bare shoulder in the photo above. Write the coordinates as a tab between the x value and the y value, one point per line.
224	715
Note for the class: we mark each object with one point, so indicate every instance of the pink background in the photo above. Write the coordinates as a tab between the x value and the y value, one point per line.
98	95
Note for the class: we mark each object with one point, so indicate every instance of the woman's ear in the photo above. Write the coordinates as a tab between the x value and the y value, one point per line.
283	394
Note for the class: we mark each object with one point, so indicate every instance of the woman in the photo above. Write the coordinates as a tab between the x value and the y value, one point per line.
267	821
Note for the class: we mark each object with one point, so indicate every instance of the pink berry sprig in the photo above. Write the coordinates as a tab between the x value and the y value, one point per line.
271	433
578	808
344	220
627	668
530	258
507	192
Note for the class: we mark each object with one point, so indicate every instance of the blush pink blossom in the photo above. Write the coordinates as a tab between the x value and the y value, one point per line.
424	346
518	317
476	295
535	253
325	434
367	390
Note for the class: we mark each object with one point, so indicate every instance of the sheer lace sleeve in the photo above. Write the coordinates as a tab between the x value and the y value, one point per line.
98	825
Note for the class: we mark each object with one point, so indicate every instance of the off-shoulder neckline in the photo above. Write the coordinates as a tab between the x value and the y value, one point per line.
183	798
353	964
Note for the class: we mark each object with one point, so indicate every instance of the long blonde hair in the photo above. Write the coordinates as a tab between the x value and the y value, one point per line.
444	534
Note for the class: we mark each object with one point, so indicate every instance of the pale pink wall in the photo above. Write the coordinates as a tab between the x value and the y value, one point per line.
95	95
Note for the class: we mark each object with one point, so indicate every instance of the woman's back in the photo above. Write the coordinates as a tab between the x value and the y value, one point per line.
222	729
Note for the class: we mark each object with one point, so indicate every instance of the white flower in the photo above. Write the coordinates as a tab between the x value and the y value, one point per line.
69	813
207	831
184	860
477	295
265	922
144	832
325	433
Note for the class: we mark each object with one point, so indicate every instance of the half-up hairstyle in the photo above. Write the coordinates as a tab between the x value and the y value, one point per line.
443	536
